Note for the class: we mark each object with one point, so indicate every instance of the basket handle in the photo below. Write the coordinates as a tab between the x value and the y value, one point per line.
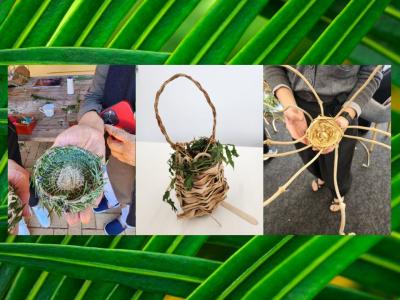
157	99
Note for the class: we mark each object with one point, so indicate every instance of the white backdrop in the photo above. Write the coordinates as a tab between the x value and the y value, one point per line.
236	92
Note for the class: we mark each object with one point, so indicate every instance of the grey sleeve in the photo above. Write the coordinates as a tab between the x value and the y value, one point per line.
276	76
369	90
373	111
95	93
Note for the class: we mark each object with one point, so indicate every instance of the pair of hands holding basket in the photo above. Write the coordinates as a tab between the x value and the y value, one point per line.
295	119
89	134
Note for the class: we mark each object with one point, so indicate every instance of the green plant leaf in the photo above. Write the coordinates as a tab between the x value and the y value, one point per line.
106	22
254	252
171	274
137	22
230	18
162	28
60	55
73	23
314	268
50	286
332	47
39	30
332	292
275	42
20	14
95	289
25	276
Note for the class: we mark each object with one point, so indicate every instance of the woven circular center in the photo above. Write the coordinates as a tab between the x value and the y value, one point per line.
324	133
70	178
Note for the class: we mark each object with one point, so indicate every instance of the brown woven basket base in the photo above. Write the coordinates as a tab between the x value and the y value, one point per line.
209	189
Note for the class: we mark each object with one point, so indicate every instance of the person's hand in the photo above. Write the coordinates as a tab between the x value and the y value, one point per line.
88	134
342	122
18	178
296	123
122	145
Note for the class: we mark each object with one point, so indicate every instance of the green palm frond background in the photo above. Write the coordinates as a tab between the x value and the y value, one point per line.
200	32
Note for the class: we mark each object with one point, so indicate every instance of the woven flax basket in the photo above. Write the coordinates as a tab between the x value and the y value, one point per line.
209	186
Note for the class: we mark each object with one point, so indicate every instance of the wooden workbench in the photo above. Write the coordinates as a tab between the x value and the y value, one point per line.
20	101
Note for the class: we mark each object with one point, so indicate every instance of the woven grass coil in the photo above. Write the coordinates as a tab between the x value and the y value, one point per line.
324	132
15	209
68	179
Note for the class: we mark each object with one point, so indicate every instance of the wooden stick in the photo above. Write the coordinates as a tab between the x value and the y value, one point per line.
296	107
283	188
342	205
265	127
368	154
372	129
266	130
266	156
266	120
372	146
273	124
272	142
294	70
367	140
355	95
240	213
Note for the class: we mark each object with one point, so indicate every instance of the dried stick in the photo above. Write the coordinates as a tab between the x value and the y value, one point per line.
272	142
266	156
283	188
342	205
273	124
240	213
296	107
372	146
266	121
355	95
372	129
367	140
294	70
368	154
268	134
265	128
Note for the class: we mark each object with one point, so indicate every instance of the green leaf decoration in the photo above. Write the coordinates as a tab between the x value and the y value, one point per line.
172	274
275	42
200	32
357	18
58	55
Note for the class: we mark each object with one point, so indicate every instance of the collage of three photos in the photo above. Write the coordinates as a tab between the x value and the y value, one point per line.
199	150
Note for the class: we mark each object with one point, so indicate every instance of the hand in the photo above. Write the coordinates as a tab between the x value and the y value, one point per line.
18	178
343	123
88	134
122	145
296	123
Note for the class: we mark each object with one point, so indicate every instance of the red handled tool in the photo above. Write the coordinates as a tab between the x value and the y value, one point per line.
120	115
